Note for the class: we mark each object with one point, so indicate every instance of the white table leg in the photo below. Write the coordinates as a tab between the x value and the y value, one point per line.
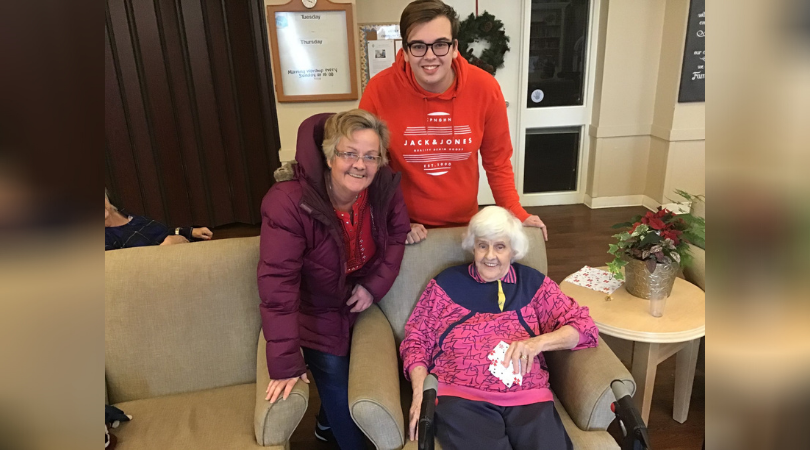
645	363
685	362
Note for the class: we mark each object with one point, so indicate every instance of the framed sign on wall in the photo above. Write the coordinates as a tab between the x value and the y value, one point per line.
313	51
693	72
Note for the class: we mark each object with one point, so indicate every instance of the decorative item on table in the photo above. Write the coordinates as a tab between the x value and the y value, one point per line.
596	279
651	252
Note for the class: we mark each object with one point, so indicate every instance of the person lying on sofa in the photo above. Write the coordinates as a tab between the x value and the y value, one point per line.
481	329
332	240
127	231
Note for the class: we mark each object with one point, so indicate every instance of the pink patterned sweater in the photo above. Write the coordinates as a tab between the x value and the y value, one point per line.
457	322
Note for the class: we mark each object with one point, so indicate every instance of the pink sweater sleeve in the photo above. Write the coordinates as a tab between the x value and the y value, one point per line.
421	332
555	310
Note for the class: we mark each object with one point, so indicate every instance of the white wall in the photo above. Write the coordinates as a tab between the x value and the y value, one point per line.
644	143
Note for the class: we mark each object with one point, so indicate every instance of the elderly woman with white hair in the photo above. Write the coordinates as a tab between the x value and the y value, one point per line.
465	316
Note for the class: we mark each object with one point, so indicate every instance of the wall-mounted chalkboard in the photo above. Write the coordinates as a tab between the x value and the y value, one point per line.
693	71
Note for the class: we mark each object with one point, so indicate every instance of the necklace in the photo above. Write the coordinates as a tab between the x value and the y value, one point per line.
333	200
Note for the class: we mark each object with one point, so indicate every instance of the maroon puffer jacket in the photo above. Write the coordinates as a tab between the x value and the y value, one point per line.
302	264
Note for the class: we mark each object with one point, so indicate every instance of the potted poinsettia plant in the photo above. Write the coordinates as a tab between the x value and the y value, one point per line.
652	249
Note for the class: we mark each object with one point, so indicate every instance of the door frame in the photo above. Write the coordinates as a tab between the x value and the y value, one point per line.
557	117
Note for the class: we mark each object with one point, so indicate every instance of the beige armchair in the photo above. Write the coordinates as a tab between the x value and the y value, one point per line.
181	356
379	398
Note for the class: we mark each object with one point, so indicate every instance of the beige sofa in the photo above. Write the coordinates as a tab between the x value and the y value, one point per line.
379	396
181	353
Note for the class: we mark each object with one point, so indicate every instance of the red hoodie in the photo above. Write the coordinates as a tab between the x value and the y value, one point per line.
435	139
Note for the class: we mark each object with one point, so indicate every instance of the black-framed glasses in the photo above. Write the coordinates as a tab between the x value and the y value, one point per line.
440	48
352	157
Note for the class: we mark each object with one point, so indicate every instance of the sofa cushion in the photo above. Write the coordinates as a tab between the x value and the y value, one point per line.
215	419
423	261
180	318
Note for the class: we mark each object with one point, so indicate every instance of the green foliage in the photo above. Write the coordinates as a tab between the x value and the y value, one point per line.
689	197
659	237
487	28
622	225
615	268
696	233
649	240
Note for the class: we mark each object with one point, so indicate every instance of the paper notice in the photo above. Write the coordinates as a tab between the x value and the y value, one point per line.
381	56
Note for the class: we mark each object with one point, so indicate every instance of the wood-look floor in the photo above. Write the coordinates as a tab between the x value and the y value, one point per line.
578	236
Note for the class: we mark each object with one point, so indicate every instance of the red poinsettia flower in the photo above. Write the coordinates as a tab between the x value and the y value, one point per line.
672	234
653	221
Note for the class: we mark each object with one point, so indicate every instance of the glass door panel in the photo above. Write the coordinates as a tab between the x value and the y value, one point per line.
552	159
557	51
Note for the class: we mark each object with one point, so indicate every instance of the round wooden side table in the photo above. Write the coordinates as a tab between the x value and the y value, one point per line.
651	340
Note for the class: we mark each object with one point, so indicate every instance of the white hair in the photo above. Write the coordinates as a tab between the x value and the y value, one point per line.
495	222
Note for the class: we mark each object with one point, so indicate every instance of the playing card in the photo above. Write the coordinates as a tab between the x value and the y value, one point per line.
498	352
499	372
496	368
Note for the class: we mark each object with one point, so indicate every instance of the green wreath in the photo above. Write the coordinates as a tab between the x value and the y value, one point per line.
484	27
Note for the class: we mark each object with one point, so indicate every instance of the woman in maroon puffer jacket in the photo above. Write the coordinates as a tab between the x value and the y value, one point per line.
332	239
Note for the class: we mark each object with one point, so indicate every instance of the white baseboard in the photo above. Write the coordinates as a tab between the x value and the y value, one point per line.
620	201
650	203
551	198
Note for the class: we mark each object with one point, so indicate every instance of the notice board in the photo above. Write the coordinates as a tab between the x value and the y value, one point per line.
693	71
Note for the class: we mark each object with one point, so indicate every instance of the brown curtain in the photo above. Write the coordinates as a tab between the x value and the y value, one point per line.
191	129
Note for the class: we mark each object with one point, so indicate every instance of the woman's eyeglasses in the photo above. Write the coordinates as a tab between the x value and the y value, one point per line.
439	48
352	157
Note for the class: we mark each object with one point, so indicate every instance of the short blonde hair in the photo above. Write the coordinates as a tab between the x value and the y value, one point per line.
494	222
344	124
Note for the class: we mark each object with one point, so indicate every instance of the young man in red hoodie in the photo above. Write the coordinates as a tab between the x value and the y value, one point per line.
441	110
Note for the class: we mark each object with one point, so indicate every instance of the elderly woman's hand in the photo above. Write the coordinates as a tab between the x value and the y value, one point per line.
534	221
418	375
361	299
521	354
413	415
566	337
276	387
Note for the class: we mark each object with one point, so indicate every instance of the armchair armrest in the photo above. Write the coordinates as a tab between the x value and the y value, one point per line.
274	423
581	379
374	398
